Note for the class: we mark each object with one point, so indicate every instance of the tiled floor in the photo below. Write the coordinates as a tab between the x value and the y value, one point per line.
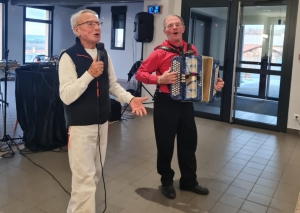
239	114
245	169
250	116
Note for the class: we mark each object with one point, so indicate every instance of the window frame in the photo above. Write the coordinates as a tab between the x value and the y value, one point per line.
49	22
4	27
118	10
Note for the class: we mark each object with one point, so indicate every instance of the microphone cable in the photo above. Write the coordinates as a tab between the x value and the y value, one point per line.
98	139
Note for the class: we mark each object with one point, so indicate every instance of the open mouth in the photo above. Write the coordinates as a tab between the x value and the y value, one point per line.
96	34
175	33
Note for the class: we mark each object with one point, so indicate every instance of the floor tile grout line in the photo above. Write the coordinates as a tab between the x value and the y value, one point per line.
268	179
253	168
242	170
233	180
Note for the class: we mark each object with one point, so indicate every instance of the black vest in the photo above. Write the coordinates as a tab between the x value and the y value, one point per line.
88	109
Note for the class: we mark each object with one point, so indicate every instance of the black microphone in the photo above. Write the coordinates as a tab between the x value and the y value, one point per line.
100	51
100	57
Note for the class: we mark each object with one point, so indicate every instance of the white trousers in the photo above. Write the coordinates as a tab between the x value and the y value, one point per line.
85	165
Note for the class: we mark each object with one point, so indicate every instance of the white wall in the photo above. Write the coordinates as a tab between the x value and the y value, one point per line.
64	38
169	7
294	106
122	59
15	33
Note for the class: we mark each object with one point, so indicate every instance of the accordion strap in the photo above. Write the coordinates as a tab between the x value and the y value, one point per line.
168	49
173	50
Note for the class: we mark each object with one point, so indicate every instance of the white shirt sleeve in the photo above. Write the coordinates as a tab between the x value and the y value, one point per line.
70	86
115	88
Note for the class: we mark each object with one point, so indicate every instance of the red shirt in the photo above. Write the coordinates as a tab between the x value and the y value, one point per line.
159	61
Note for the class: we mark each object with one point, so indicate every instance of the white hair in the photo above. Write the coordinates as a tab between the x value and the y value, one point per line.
75	17
173	15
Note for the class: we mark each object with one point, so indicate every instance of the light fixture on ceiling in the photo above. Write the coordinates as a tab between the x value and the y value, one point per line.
266	10
279	20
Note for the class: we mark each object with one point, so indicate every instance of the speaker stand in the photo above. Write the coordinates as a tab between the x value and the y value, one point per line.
138	91
6	139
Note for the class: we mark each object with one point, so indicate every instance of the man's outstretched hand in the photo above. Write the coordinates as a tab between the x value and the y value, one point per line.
137	107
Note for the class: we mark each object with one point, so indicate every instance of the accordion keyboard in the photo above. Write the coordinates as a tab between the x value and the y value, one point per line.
176	86
191	81
215	80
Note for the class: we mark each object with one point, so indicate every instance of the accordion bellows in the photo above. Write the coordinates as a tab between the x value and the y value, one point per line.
196	77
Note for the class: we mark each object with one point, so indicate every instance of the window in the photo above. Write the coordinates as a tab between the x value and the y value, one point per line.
1	30
95	9
253	41
38	27
118	27
277	32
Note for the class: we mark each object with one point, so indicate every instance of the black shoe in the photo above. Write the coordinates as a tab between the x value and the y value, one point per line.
201	190
168	191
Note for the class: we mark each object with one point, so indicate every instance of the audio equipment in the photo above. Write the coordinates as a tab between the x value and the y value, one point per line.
144	27
100	53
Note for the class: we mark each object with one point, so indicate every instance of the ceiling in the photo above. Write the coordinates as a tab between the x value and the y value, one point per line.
74	4
221	12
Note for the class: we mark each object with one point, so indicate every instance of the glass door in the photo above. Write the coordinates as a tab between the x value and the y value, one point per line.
207	31
258	62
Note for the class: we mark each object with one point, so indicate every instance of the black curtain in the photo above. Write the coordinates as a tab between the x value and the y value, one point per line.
40	110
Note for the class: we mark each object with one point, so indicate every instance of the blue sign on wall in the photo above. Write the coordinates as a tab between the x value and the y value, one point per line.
155	9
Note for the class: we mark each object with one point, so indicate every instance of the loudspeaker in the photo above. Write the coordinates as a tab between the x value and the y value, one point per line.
115	113
143	27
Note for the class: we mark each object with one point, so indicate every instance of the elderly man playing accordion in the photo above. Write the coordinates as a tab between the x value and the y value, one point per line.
172	117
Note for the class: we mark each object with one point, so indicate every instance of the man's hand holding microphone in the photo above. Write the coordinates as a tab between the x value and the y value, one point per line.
96	68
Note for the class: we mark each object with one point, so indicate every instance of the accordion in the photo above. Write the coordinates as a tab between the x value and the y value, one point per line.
196	77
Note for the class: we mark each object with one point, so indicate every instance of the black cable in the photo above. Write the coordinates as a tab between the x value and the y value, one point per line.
61	150
126	116
44	75
24	154
133	57
37	123
98	138
49	114
2	144
21	152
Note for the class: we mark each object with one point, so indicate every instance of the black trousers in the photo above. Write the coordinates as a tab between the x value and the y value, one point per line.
175	118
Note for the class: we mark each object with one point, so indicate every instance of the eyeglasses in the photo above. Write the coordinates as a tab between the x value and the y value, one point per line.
174	24
92	24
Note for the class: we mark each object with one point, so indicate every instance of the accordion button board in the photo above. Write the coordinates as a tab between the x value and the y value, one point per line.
196	77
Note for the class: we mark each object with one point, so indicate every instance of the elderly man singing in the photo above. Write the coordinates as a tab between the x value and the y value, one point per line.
85	85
